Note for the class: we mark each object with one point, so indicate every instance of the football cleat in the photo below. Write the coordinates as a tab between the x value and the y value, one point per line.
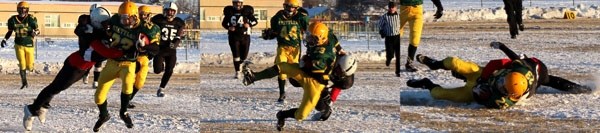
100	121
160	93
27	118
125	117
280	121
248	74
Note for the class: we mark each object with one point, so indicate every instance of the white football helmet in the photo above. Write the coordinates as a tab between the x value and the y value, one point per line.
348	64
170	5
98	15
94	6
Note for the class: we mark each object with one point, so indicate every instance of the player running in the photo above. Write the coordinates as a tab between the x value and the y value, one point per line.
171	28
288	26
239	20
144	58
26	28
128	35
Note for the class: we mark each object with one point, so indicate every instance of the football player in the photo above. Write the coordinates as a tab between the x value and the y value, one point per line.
171	28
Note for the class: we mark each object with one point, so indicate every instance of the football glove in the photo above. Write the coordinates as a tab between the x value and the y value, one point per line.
268	34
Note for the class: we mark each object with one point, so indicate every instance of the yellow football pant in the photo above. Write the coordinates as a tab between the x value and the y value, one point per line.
25	57
115	69
460	94
286	54
140	76
312	89
414	16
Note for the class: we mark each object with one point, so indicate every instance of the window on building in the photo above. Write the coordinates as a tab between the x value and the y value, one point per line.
202	15
68	25
260	14
214	18
51	21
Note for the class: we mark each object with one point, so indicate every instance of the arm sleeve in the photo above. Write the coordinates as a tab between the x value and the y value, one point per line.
33	22
250	15
274	27
304	23
105	51
8	33
511	54
225	22
79	30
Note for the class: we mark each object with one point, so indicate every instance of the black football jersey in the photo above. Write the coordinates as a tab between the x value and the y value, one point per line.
169	30
237	19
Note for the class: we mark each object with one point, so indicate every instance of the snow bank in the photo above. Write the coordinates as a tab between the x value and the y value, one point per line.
264	58
582	11
9	66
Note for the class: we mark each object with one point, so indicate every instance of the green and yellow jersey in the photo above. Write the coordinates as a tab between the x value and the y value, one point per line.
125	39
323	57
290	29
23	29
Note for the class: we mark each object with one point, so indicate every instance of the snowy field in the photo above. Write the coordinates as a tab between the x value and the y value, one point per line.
378	102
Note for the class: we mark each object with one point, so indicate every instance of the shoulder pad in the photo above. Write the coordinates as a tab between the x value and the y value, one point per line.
281	12
228	10
303	11
30	16
248	9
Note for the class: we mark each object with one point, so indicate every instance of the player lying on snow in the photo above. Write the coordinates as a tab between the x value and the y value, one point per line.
312	74
500	84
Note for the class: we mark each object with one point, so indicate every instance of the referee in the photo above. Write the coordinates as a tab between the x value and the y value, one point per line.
389	28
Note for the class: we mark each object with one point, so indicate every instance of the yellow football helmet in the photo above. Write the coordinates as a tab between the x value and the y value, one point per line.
319	32
144	12
23	4
515	84
23	8
292	3
128	10
144	9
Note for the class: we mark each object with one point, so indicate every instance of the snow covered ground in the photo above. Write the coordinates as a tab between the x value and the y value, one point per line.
378	102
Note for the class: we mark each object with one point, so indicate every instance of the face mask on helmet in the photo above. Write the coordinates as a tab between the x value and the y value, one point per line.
129	21
289	10
22	11
128	12
144	13
23	8
318	33
170	10
237	4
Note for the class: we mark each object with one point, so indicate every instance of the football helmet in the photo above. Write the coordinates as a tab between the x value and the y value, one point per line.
129	14
23	8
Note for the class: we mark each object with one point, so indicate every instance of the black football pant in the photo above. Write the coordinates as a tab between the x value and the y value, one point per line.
392	48
240	45
514	13
165	61
66	77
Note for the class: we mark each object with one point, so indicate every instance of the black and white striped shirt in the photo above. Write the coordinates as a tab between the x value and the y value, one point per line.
390	24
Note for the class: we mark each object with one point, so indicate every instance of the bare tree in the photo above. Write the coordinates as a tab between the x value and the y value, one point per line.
186	6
